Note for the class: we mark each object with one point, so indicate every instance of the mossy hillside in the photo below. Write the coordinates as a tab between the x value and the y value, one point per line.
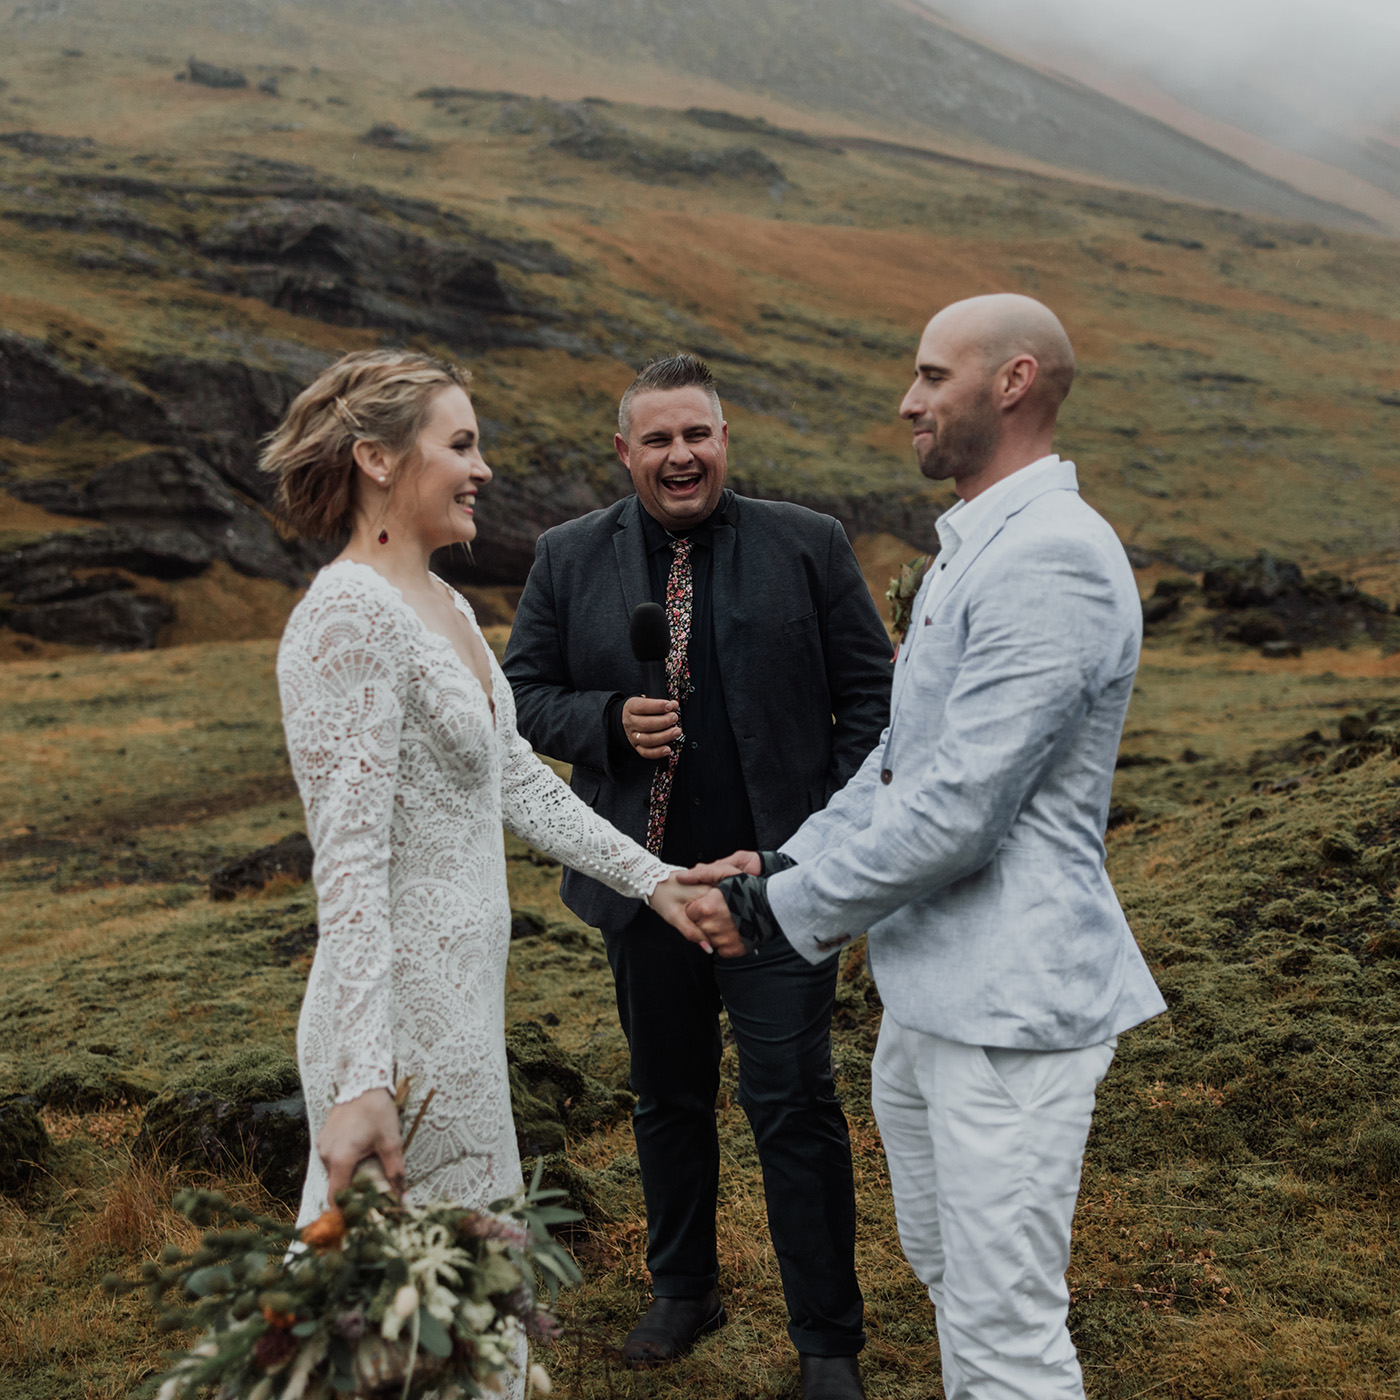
1232	396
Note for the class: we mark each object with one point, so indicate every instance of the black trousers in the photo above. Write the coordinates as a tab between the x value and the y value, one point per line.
669	995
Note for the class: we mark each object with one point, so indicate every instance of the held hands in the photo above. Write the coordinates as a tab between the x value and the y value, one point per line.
651	726
710	914
365	1127
670	899
691	904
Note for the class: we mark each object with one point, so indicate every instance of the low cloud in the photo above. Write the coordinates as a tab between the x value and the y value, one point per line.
1329	60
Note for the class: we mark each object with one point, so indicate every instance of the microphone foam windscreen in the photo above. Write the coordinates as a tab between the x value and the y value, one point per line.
649	632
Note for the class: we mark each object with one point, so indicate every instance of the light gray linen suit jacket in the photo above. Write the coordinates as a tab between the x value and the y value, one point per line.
970	842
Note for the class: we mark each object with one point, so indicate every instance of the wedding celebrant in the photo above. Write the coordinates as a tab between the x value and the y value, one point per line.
779	675
971	846
401	732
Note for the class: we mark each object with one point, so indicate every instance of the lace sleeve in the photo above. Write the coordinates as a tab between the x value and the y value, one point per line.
338	669
537	806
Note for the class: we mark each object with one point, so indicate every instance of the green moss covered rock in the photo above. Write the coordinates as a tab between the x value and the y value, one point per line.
550	1092
24	1144
242	1113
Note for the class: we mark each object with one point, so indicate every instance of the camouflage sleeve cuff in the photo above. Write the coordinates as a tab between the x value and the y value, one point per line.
770	862
746	897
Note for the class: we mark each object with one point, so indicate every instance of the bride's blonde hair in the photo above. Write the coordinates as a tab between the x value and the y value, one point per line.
381	396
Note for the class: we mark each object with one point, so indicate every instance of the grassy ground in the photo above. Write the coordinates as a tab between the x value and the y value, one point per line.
1236	1229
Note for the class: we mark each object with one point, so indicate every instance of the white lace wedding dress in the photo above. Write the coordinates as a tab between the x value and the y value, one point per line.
406	781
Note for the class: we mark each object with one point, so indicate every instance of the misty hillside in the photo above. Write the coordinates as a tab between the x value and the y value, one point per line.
181	250
884	60
884	63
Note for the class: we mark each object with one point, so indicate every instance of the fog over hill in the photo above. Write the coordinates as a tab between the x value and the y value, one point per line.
883	62
1315	78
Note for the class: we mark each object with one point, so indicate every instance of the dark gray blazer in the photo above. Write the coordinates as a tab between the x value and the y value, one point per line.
804	661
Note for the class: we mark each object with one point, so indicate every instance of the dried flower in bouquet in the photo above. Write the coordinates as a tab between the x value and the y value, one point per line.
375	1298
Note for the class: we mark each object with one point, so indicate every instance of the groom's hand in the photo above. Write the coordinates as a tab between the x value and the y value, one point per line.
740	863
710	915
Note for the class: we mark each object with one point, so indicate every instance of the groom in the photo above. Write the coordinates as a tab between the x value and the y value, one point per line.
779	679
970	845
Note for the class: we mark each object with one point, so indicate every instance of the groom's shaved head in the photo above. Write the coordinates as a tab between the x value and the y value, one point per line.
1002	326
991	375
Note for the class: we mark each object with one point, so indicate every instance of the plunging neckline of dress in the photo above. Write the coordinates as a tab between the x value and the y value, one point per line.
488	693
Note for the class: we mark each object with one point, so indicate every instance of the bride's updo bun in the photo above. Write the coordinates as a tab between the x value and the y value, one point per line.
382	396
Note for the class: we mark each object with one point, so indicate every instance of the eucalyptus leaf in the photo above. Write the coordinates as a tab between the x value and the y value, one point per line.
214	1278
432	1335
556	1267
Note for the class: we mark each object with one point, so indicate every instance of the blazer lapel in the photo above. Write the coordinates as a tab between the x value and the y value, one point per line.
726	616
629	545
1061	477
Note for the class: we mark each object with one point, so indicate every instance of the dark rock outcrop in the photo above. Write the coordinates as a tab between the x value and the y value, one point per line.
1251	583
111	621
579	129
1166	599
389	137
222	408
212	75
336	263
172	488
173	482
38	392
292	857
550	1092
24	1144
718	120
164	552
42	143
1270	602
243	1113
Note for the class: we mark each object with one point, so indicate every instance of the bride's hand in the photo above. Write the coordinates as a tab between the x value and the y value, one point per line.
365	1127
740	863
669	899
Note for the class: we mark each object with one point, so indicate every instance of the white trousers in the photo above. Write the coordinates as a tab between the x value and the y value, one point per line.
985	1149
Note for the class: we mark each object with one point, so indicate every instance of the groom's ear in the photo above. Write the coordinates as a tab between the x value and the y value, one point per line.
620	446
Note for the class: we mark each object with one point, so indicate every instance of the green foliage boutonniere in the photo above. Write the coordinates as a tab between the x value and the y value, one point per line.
903	589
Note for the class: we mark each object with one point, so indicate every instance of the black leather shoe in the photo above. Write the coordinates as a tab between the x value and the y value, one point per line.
830	1377
670	1327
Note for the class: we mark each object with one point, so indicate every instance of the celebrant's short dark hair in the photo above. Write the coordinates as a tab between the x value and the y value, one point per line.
668	372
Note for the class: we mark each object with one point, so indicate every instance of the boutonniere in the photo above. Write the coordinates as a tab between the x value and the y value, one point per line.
903	589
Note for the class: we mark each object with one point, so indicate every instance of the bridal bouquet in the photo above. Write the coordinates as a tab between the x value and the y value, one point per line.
375	1299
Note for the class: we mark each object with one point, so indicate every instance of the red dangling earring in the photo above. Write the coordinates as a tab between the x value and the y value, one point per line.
383	537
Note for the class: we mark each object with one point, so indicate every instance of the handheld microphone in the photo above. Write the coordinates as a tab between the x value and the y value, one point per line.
650	635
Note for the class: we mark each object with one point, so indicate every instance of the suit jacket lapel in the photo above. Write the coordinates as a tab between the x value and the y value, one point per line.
1059	479
722	606
629	544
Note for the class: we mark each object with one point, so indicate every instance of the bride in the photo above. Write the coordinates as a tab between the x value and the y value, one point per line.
401	731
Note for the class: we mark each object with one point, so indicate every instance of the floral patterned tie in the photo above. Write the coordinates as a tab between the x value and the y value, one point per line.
680	596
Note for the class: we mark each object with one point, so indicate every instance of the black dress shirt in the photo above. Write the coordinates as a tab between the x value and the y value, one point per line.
709	814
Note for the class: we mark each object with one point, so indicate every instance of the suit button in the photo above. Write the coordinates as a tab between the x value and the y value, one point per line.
886	774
